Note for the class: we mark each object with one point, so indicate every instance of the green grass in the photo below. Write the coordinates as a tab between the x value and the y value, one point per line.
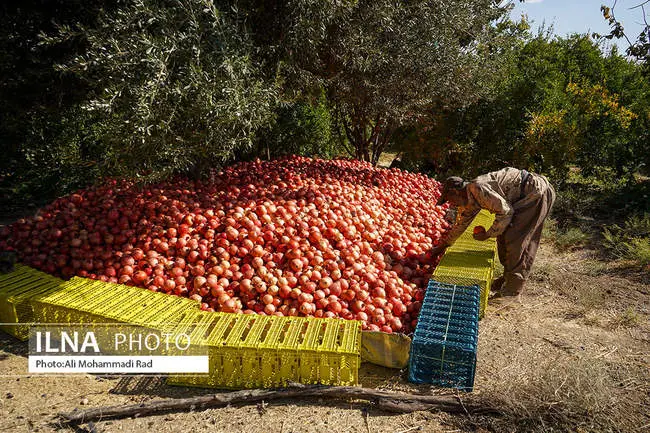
606	213
498	268
564	238
631	240
569	238
638	250
550	228
595	268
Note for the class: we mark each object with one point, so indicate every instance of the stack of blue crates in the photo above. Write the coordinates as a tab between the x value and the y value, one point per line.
443	349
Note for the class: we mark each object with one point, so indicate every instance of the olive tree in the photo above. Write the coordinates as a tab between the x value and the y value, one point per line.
174	85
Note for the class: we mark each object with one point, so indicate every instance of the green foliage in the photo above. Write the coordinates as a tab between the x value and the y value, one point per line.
429	147
54	158
175	86
605	199
384	63
148	88
570	238
630	241
302	129
563	103
550	228
614	213
41	129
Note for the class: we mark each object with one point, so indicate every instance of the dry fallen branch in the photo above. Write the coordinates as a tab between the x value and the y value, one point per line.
388	401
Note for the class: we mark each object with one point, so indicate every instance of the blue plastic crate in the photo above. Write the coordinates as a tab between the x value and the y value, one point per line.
438	326
449	374
443	350
461	316
461	294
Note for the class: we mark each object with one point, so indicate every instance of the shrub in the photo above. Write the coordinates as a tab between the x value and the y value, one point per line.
570	238
631	241
303	129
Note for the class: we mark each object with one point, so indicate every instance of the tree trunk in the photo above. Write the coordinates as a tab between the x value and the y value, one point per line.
368	146
382	141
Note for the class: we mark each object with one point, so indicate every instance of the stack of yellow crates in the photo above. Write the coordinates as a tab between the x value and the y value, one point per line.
251	351
468	262
244	350
85	301
16	291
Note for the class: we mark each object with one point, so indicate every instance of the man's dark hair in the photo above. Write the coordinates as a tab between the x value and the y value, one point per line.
451	185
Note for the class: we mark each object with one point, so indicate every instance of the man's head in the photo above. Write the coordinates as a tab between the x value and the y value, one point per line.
454	191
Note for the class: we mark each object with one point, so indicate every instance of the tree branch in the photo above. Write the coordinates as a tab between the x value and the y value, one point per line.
374	137
344	143
350	134
388	401
615	20
640	5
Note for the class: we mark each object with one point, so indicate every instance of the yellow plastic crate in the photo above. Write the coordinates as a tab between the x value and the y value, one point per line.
81	300
155	310
487	247
76	302
464	274
90	302
250	351
245	351
17	288
485	219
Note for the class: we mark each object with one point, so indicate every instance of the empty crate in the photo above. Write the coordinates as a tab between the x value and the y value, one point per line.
17	289
443	349
470	262
251	351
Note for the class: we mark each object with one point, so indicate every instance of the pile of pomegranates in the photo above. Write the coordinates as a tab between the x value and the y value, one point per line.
293	236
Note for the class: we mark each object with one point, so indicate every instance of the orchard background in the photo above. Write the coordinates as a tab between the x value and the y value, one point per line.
180	106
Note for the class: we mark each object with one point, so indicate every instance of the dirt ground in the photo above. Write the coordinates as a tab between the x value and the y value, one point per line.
573	356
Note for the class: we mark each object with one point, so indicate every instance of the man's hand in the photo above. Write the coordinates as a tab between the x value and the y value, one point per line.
429	257
481	236
436	251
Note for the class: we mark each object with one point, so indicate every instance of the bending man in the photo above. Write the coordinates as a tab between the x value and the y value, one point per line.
520	200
